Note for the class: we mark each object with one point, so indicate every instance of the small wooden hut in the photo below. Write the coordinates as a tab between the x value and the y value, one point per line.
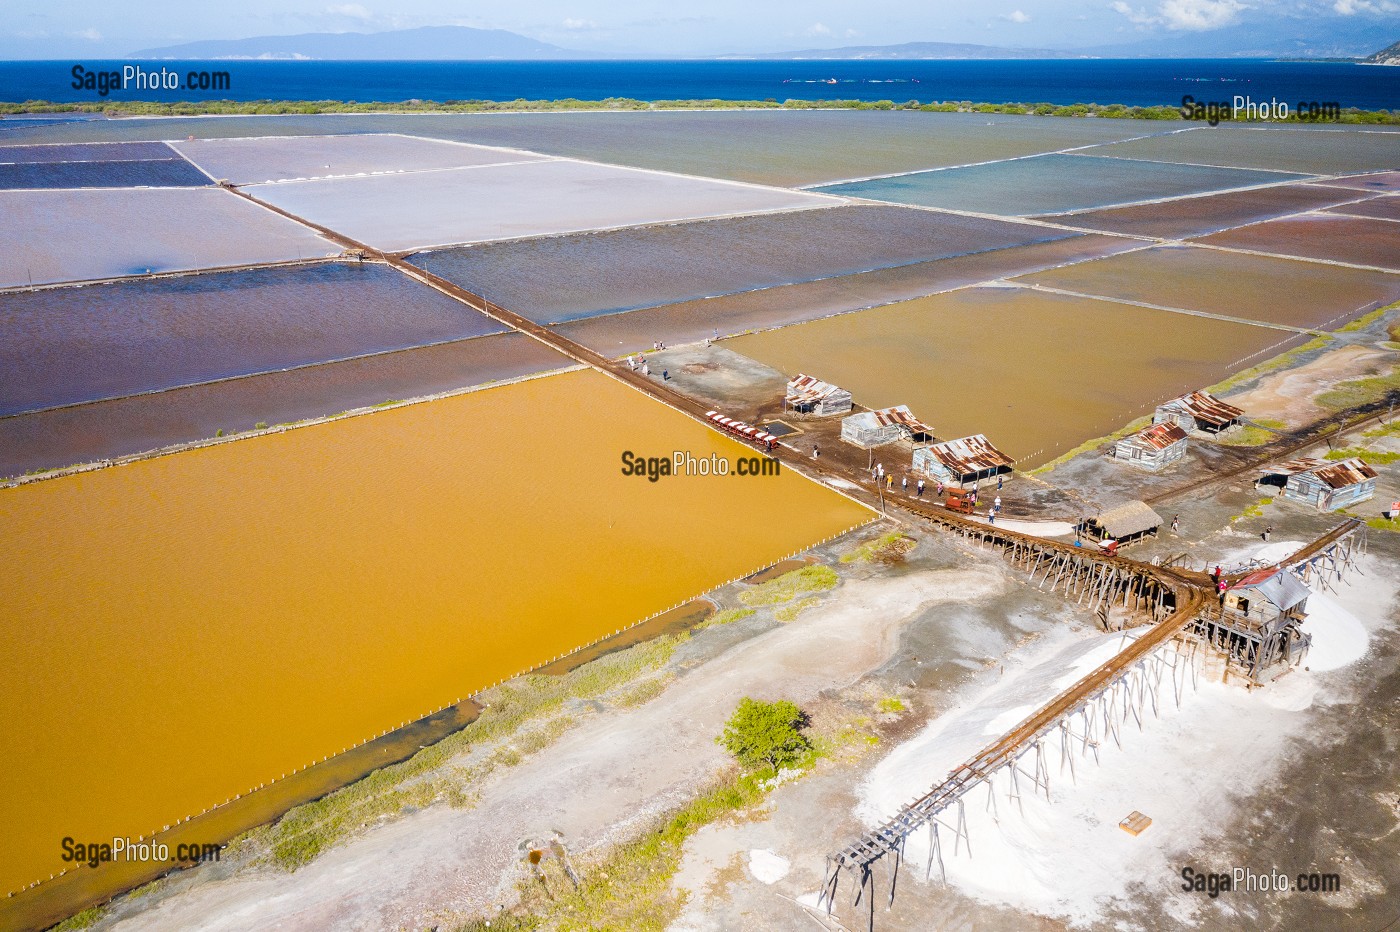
962	461
1199	411
808	395
1126	523
1152	447
873	428
1325	484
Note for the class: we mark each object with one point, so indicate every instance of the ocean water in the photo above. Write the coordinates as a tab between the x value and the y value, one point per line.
1061	82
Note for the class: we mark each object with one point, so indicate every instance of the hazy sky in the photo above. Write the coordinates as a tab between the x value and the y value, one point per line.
69	28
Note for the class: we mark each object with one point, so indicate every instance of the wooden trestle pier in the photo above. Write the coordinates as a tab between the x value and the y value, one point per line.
1091	711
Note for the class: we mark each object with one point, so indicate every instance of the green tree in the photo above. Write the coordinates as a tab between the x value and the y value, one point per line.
765	734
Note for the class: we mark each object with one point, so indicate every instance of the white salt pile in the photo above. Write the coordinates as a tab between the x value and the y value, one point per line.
768	867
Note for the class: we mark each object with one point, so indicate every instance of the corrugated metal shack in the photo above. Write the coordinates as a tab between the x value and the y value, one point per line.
1325	484
813	396
1199	411
1152	447
1258	624
873	428
1125	523
962	461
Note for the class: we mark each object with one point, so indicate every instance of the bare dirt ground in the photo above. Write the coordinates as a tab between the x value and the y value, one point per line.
596	785
1287	396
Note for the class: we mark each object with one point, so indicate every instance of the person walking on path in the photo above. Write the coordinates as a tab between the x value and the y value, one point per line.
1176	523
889	482
996	505
815	451
1268	531
1216	575
904	483
921	488
998	482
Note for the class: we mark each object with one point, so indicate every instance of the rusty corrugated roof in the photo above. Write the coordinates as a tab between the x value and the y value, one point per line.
901	416
1347	472
1293	467
1160	436
1204	406
1336	475
969	455
802	389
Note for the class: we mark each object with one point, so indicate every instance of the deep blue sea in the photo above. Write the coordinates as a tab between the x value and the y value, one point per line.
1134	82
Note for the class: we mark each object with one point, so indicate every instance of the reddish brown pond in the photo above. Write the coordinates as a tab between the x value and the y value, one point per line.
1321	236
1283	291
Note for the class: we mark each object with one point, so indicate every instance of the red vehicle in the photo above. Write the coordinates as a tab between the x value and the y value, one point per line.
958	501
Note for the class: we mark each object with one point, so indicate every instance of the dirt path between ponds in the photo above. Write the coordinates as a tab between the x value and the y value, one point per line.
1289	395
598	783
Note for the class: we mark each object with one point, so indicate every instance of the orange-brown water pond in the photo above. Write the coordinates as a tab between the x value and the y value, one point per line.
180	630
1036	372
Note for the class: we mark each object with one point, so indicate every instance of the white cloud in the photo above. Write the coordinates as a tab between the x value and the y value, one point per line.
579	25
1352	7
1199	15
90	34
818	29
1141	17
1192	15
1016	16
352	10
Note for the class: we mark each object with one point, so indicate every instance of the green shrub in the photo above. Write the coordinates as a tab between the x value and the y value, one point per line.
790	585
766	734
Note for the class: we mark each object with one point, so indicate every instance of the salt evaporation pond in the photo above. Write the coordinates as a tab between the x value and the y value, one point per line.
779	147
692	321
416	210
67	345
1311	151
556	279
1195	216
1232	284
1038	373
1358	240
1051	184
269	602
139	423
283	158
99	233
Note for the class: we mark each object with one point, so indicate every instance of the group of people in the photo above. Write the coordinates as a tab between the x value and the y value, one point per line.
638	363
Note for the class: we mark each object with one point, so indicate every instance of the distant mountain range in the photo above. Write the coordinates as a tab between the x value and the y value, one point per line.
1390	56
429	43
1266	38
905	52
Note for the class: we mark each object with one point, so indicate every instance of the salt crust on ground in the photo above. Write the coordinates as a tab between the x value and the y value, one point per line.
1067	858
768	867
